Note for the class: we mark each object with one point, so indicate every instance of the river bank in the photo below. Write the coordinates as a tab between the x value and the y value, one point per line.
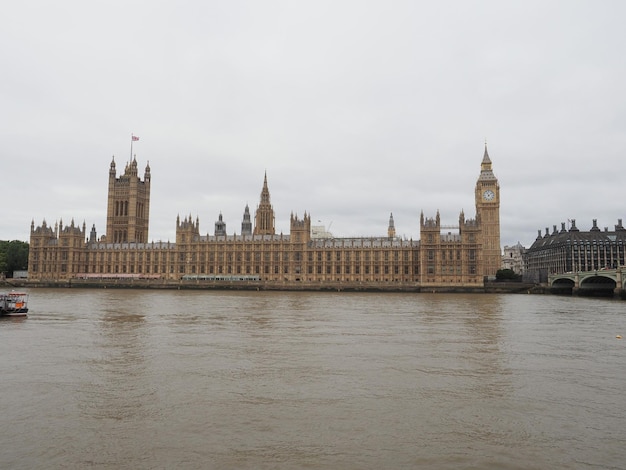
489	287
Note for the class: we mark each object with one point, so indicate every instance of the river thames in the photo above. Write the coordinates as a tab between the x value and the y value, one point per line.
144	379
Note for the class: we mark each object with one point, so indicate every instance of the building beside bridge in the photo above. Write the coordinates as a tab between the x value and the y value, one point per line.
572	250
513	258
445	256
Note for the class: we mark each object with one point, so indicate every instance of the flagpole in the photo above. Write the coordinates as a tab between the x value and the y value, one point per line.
133	138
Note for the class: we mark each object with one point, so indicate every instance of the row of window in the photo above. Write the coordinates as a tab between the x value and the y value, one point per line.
121	209
451	254
431	237
230	258
265	269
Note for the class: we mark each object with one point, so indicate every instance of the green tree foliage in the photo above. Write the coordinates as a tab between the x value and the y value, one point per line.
507	275
13	256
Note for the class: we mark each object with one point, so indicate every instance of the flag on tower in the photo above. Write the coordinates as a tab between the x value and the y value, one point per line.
135	138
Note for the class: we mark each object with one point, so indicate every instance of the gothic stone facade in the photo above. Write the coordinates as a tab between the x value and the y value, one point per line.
446	256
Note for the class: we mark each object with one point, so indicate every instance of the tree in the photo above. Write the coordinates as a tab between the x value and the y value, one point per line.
507	275
13	256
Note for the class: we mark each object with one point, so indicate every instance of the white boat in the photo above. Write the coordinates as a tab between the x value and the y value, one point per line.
13	304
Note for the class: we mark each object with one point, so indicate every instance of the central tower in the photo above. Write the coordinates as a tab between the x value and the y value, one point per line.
487	197
264	217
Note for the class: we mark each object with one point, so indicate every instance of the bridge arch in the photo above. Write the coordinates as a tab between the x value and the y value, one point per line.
598	284
563	285
601	282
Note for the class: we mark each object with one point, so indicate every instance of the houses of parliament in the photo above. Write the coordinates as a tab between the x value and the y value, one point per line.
445	257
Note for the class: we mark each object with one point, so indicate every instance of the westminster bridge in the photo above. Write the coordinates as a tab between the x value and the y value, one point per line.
602	282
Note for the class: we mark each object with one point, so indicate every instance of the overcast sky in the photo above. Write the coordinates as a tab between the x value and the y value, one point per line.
355	109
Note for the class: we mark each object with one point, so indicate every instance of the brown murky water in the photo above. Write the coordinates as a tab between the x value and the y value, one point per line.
143	380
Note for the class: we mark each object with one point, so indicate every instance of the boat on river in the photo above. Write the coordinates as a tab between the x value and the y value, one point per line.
13	304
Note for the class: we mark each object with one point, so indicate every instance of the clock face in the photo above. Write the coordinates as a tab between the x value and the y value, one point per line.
488	195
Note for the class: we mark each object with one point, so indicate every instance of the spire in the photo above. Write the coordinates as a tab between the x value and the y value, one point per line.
246	224
264	218
486	172
112	171
486	163
391	229
265	192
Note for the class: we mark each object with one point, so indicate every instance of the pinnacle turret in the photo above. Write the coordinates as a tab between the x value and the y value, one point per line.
391	229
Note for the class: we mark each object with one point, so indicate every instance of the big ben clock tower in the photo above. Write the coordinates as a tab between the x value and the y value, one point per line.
488	213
